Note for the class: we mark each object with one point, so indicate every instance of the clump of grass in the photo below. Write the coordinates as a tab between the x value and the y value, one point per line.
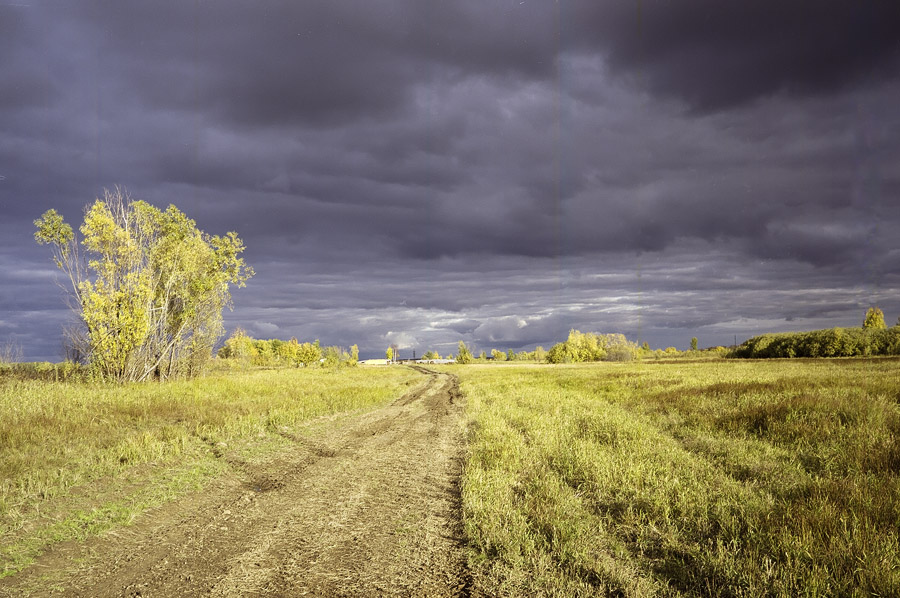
717	479
79	458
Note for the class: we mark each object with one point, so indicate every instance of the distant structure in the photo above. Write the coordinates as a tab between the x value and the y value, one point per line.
405	361
427	361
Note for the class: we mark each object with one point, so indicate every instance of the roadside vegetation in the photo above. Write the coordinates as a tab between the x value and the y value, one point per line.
78	458
717	478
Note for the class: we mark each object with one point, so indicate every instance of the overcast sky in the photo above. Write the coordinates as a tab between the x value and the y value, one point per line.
495	171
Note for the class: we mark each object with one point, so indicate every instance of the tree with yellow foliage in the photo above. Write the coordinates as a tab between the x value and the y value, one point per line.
150	287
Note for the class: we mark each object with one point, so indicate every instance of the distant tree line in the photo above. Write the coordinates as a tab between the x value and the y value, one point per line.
243	349
830	342
538	355
873	338
582	347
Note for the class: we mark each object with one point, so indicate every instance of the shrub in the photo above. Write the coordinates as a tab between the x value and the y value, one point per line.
463	353
588	346
241	348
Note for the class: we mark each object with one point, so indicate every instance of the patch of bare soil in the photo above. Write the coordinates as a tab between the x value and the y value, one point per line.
365	507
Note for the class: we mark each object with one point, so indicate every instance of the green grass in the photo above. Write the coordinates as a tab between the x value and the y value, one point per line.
77	459
724	478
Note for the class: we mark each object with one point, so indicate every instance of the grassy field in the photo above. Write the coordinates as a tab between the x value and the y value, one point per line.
677	478
722	478
78	458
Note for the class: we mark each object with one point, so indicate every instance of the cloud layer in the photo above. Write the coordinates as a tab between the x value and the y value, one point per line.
498	172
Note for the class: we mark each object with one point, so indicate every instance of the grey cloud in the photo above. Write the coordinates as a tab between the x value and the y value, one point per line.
316	63
459	326
443	170
715	55
517	332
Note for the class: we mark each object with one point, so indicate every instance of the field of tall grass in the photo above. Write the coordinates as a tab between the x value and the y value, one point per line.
679	478
723	478
78	458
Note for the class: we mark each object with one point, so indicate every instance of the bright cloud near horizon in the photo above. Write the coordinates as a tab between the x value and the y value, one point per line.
498	172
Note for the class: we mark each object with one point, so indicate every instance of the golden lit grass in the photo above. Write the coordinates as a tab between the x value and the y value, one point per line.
727	478
79	458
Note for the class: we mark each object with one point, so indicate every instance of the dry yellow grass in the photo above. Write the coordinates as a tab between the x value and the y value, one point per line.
725	478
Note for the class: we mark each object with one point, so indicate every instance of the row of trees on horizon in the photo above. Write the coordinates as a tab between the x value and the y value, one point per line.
873	338
578	347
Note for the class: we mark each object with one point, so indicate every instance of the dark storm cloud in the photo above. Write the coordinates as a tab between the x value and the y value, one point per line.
716	54
24	85
252	66
500	171
317	63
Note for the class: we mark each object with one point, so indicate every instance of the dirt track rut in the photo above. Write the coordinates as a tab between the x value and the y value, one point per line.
369	507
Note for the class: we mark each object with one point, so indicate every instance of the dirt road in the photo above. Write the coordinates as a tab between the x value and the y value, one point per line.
365	507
